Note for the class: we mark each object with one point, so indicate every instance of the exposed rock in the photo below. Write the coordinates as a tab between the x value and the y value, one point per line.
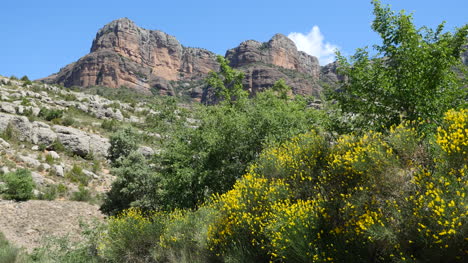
29	161
82	143
37	178
146	151
75	140
123	54
54	155
279	51
58	170
4	144
7	107
4	170
329	73
90	174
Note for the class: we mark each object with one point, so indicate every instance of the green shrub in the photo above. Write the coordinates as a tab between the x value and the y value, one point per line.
49	192
50	114
110	125
20	185
70	97
131	236
185	237
49	159
57	146
135	185
82	195
77	175
67	121
122	143
9	132
63	250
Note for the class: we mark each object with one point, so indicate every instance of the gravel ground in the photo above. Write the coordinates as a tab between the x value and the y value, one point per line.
25	224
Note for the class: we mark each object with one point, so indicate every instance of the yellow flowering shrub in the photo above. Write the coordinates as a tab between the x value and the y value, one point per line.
453	135
436	221
298	162
244	213
377	197
295	231
354	161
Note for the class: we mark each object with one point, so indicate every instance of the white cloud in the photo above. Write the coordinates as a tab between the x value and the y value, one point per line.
313	44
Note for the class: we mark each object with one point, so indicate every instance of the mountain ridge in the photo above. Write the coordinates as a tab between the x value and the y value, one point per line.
124	54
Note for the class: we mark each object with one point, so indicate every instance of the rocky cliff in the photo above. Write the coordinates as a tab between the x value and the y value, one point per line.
123	54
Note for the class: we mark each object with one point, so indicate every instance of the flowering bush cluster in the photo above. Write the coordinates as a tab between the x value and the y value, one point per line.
398	196
375	197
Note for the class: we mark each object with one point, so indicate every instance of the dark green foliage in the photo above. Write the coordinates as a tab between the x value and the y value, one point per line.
170	117
110	125
136	185
200	162
70	97
19	184
82	195
77	175
9	133
227	82
67	121
122	143
411	77
57	146
50	114
48	193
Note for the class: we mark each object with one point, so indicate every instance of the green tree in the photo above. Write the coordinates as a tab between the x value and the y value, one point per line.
227	82
135	186
122	143
411	76
197	163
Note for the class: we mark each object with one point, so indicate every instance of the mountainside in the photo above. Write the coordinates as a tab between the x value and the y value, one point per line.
123	54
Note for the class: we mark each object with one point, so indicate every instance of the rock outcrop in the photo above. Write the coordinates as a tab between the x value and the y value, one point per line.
77	141
279	51
123	54
265	63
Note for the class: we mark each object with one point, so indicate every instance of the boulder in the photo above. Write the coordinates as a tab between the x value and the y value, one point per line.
8	107
4	144
29	161
58	170
80	142
54	155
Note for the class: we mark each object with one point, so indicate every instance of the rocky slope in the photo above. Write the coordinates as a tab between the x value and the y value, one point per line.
66	155
123	54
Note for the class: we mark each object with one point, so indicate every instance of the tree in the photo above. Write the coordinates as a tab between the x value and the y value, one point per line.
122	143
227	82
411	77
135	186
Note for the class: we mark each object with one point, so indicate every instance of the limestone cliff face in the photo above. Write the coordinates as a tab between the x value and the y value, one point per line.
123	54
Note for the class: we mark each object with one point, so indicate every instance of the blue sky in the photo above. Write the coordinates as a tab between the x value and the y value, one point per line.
37	38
